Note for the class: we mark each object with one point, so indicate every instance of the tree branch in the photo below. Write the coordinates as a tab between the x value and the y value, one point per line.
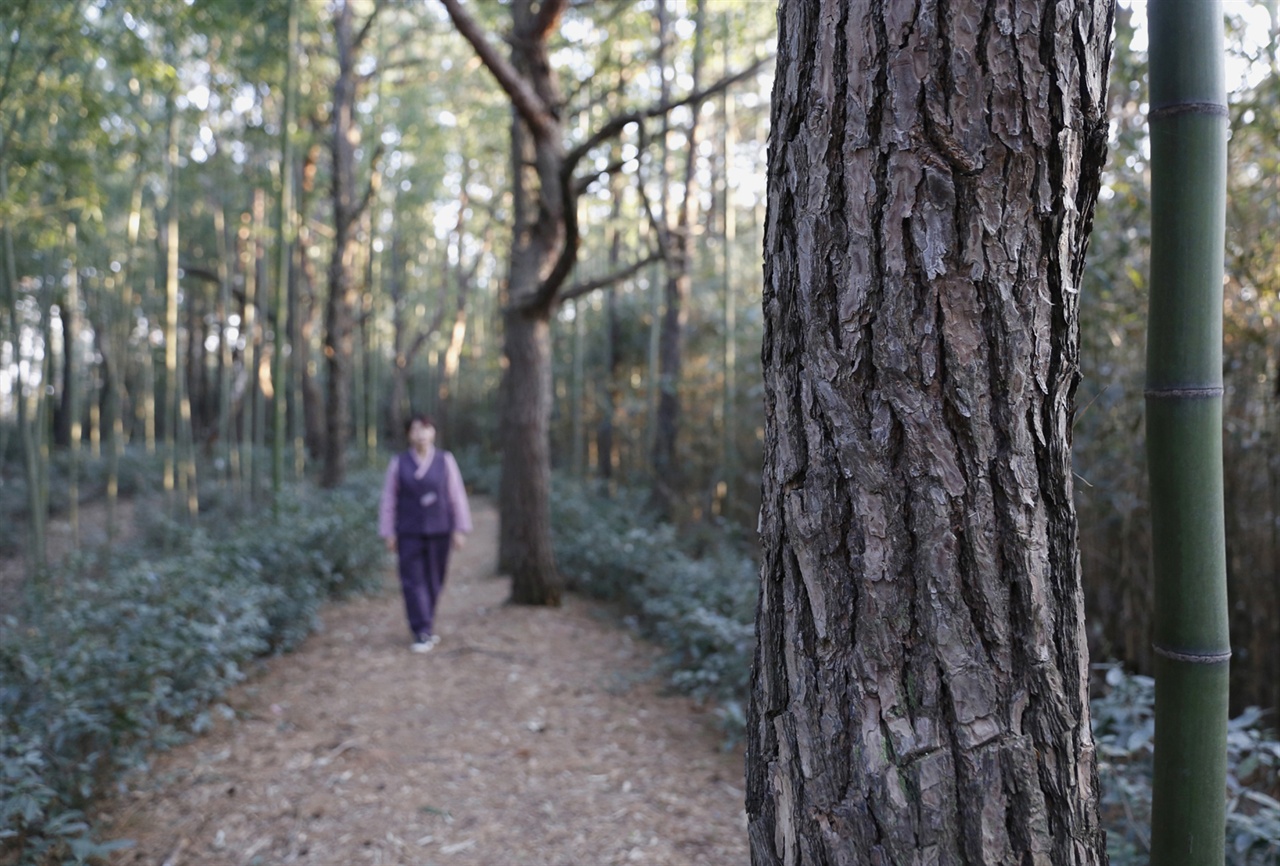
549	13
532	109
367	27
375	184
589	286
581	185
616	125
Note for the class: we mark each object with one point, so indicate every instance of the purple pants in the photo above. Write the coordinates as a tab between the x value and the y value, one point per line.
423	559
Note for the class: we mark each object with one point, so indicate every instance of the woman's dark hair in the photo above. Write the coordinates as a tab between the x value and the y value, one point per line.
421	417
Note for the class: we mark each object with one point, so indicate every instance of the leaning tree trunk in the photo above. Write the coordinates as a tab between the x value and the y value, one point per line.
920	686
1189	121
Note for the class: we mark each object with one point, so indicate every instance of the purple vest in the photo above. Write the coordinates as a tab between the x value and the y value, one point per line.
422	504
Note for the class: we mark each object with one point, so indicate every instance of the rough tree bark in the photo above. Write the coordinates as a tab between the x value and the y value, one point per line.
919	689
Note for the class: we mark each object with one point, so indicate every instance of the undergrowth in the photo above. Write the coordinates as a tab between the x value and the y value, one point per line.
696	598
121	656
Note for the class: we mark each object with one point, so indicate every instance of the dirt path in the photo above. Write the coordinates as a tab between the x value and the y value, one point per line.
529	736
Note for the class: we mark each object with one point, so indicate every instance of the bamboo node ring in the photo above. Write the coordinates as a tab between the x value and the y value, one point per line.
1193	393
1210	658
1211	108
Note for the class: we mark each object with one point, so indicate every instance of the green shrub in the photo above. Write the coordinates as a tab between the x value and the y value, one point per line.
129	657
1124	728
699	608
702	609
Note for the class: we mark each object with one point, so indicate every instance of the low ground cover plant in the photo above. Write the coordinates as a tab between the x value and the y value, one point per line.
697	599
129	654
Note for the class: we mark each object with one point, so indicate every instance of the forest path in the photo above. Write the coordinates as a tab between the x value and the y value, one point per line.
528	736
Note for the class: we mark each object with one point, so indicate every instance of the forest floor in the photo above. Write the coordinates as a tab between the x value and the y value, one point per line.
528	736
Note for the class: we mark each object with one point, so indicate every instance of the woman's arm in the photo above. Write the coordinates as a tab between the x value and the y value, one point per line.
457	493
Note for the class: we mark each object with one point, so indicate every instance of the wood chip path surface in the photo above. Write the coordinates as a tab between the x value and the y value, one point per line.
529	736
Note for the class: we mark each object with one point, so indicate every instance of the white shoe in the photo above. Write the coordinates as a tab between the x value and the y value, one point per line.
423	645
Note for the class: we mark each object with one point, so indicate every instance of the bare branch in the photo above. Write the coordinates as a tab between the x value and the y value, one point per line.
367	27
375	184
616	125
582	184
407	63
532	109
589	286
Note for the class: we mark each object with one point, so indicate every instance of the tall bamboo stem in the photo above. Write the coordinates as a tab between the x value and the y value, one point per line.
1188	123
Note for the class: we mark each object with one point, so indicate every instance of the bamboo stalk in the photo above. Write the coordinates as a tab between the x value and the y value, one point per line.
1188	124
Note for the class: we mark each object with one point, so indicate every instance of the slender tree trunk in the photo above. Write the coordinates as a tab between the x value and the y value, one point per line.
308	311
605	429
226	355
369	331
169	427
1189	123
728	416
28	434
118	362
147	405
249	327
919	692
667	479
71	389
340	311
577	389
613	360
286	235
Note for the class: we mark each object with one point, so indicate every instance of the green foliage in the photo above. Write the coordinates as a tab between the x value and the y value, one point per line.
701	608
138	475
1124	728
129	657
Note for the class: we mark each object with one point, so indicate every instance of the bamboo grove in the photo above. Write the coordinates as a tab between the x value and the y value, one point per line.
188	273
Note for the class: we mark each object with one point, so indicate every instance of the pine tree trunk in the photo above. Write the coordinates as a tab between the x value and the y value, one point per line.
525	497
524	545
920	686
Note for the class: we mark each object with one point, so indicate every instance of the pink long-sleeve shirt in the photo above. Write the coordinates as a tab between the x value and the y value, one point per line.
454	489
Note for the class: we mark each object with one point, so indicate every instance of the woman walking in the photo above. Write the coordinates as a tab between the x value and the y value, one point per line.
423	514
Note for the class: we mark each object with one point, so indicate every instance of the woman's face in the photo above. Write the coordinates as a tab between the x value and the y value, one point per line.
421	436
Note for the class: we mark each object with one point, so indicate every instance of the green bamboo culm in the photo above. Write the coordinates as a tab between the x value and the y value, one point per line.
1188	126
